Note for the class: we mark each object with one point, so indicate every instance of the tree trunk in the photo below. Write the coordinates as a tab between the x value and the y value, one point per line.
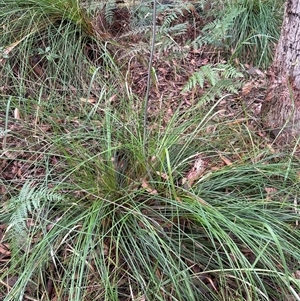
281	108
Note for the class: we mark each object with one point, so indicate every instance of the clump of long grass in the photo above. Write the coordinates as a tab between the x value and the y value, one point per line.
206	213
248	30
120	225
255	30
51	50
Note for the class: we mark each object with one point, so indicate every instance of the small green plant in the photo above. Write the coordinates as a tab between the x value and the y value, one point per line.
219	79
3	53
48	54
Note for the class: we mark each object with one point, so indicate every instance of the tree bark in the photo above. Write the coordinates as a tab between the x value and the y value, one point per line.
281	108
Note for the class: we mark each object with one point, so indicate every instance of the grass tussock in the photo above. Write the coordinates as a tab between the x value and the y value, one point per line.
199	208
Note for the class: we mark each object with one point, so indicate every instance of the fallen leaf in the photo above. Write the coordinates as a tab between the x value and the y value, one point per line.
296	274
9	48
225	160
195	172
162	175
88	100
270	193
146	186
17	113
4	250
247	88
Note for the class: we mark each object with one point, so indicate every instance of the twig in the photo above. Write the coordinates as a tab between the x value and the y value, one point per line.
146	102
6	123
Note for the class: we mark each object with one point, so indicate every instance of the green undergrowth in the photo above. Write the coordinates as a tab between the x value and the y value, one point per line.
116	223
93	207
247	29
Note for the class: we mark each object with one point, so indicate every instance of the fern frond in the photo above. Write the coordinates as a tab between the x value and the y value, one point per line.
172	17
137	31
206	72
215	32
30	201
176	30
217	78
218	90
228	71
167	43
137	50
212	75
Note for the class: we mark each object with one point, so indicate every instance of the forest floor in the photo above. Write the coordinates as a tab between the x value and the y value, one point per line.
24	137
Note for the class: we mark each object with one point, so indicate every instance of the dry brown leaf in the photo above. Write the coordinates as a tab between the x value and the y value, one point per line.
225	160
162	175
146	186
45	128
112	98
238	121
17	113
195	172
9	48
296	274
4	250
88	100
254	71
247	88
270	193
201	201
